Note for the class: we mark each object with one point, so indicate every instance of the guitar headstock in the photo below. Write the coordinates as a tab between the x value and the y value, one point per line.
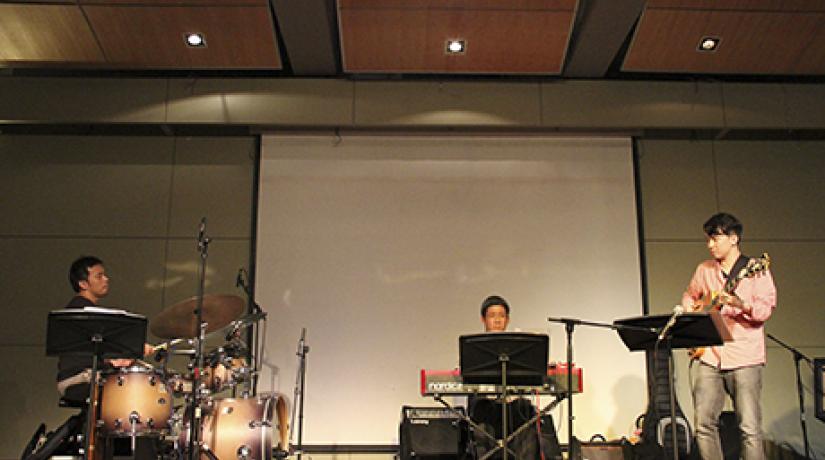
755	267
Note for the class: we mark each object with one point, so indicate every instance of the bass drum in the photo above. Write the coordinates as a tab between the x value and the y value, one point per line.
241	428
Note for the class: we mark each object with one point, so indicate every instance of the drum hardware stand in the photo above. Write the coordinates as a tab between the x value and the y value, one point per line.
254	353
194	406
798	356
300	385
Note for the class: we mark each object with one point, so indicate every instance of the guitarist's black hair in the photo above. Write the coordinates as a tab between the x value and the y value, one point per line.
723	224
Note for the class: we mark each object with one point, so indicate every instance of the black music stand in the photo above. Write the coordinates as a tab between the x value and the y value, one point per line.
514	358
97	332
689	330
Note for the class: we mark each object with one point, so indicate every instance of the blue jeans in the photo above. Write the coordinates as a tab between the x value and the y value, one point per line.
744	385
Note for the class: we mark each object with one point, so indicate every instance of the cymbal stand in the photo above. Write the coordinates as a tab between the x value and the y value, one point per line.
194	404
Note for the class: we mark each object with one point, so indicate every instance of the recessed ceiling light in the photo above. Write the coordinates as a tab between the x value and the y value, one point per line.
708	44
195	40
455	46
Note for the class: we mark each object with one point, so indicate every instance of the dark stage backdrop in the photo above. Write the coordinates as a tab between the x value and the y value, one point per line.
384	246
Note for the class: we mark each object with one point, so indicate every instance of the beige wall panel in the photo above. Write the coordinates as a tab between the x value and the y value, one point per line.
74	185
678	187
597	104
226	256
446	104
805	107
797	268
81	100
775	188
755	105
213	178
29	397
35	272
261	101
669	268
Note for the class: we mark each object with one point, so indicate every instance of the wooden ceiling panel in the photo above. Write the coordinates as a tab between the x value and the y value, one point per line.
137	36
191	3
752	42
462	4
412	40
741	5
44	34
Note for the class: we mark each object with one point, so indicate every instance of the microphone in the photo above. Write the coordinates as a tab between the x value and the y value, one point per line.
202	229
677	311
302	348
233	333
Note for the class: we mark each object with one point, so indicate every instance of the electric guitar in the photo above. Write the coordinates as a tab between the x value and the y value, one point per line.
754	267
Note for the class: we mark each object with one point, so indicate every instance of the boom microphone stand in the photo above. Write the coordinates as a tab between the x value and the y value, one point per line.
194	426
569	325
798	356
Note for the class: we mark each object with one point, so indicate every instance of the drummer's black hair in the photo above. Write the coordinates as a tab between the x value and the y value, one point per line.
494	300
79	271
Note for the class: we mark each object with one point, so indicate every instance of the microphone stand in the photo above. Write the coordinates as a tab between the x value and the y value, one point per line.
798	356
194	431
300	385
569	325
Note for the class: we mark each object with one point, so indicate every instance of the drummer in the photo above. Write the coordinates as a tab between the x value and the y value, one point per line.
87	275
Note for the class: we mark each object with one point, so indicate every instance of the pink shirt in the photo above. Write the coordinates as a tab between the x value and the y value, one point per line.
748	345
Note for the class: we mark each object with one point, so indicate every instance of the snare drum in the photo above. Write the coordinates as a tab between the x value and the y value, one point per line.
135	400
241	428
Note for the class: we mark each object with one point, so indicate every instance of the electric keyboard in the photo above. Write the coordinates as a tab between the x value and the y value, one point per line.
449	383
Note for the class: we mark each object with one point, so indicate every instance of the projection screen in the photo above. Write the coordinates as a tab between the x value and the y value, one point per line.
383	247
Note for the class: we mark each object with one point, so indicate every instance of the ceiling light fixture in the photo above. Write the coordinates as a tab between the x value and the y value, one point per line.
195	40
708	44
455	46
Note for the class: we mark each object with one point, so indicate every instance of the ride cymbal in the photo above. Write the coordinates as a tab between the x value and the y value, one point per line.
181	321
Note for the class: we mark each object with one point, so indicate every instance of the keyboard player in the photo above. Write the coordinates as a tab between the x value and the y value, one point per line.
495	316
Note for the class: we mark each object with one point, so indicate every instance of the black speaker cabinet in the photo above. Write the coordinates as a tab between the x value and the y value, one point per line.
431	433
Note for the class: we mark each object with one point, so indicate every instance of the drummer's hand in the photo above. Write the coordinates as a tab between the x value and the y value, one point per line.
148	349
121	362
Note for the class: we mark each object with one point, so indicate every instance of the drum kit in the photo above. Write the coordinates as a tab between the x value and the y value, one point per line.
139	400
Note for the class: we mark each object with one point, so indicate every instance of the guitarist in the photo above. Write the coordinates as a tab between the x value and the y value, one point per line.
736	367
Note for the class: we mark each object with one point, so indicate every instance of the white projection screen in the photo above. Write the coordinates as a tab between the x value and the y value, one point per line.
383	247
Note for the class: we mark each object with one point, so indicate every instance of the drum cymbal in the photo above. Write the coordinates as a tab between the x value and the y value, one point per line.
180	320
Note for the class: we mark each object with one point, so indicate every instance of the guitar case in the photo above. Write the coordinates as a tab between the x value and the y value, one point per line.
657	434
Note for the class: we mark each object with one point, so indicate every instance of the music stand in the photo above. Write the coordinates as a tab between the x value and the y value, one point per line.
99	333
516	358
688	331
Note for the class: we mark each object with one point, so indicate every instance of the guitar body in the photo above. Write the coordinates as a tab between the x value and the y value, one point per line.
710	302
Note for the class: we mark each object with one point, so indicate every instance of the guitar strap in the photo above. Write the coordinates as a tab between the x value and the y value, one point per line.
741	263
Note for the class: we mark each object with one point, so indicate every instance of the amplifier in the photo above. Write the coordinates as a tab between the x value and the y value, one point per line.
431	433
